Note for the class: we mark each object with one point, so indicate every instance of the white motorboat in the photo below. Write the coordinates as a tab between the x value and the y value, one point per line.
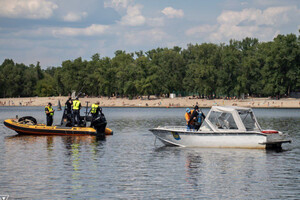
224	127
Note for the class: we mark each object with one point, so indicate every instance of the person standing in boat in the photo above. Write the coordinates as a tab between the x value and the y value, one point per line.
49	114
95	110
68	105
197	117
68	109
187	119
76	111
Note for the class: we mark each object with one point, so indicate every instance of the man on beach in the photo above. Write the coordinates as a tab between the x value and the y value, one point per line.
49	114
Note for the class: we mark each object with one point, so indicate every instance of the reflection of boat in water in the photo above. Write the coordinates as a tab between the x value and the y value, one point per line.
224	127
28	125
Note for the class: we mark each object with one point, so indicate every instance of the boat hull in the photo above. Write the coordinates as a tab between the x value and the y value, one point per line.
213	140
42	129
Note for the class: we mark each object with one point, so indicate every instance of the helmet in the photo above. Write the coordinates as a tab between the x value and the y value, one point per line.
196	107
187	110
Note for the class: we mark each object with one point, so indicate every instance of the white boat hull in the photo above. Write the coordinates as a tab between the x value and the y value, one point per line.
203	139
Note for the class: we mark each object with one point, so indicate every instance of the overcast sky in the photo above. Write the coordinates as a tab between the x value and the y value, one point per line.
52	31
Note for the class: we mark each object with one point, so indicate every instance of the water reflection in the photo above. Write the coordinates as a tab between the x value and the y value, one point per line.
62	160
234	170
128	165
194	165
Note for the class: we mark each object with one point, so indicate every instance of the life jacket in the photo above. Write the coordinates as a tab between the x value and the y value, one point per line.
187	117
76	104
192	121
49	110
94	108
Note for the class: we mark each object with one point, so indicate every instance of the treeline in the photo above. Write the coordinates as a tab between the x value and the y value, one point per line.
240	67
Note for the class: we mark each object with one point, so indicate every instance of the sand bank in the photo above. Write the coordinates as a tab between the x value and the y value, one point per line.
162	102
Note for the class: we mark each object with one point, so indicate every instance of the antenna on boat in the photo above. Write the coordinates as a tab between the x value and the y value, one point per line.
86	111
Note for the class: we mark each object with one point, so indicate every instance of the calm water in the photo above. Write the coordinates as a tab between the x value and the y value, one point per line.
128	165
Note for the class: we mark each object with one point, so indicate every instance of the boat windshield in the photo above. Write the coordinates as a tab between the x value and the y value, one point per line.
222	120
249	121
205	127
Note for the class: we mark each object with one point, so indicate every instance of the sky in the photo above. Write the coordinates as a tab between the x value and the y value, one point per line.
52	31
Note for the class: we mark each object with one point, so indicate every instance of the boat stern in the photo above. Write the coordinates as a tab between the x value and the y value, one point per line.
275	139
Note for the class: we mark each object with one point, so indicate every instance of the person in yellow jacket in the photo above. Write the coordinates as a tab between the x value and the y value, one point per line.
49	114
95	110
76	112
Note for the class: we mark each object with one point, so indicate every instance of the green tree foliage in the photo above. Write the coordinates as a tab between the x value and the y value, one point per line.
240	67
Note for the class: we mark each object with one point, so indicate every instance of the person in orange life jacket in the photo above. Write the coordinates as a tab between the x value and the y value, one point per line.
197	117
76	112
49	114
187	116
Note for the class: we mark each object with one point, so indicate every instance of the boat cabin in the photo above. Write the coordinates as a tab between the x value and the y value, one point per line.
230	119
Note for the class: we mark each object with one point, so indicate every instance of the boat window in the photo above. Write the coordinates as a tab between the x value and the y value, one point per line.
249	121
205	127
222	120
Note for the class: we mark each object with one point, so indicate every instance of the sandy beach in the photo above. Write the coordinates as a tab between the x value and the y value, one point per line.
154	102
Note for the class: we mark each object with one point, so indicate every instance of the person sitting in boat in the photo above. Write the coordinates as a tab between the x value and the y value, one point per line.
76	112
189	123
49	114
95	110
197	117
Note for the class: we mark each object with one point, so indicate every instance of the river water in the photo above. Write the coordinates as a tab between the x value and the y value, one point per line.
129	165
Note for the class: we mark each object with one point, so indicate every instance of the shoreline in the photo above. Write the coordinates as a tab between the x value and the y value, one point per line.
178	102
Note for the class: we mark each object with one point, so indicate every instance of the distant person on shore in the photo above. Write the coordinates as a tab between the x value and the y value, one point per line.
197	117
96	110
187	119
49	114
76	112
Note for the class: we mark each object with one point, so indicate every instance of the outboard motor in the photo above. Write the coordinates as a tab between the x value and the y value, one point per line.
99	123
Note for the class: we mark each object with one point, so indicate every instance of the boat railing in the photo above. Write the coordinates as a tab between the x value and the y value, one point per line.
177	128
